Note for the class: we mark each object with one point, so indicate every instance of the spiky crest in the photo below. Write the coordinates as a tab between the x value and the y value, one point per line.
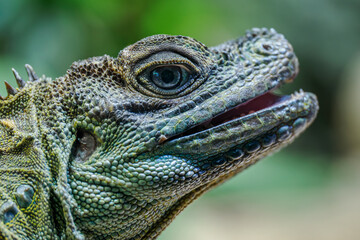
20	82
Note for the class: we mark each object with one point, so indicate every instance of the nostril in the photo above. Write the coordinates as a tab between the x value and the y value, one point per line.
267	47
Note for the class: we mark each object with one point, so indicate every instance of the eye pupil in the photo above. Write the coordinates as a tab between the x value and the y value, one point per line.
168	77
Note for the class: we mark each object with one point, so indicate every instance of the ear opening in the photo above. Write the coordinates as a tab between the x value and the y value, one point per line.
84	146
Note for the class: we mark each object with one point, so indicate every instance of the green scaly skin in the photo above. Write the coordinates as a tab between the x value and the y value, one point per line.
111	149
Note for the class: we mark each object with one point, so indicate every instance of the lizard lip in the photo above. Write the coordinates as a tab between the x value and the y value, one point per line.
251	106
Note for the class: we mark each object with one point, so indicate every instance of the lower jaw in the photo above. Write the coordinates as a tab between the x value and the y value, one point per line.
247	152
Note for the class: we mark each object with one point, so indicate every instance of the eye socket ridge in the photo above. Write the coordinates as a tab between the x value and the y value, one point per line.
164	58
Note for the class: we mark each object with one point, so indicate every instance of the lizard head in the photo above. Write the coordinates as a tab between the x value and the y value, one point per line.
170	118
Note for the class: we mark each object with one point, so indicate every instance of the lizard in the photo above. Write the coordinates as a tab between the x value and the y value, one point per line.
117	147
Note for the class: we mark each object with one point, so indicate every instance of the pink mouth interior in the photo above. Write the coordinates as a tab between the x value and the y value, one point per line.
258	103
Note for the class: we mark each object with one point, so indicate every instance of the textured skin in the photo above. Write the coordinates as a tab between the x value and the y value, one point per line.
96	154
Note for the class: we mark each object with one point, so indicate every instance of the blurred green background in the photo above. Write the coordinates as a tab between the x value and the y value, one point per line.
310	190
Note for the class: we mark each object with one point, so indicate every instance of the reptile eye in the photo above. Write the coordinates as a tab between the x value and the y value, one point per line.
169	77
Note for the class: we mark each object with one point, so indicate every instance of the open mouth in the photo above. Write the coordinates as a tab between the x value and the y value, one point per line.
256	104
